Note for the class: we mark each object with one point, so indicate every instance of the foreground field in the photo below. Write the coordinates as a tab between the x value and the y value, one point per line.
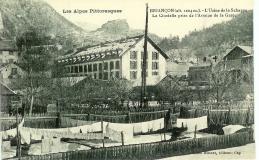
246	152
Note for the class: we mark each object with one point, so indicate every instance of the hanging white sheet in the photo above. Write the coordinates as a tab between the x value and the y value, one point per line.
190	123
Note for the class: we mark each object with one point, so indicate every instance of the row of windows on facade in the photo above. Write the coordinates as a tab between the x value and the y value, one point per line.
133	65
103	75
133	74
106	75
9	52
7	61
93	67
133	55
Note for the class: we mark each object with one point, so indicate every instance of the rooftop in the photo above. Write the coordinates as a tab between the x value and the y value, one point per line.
121	44
247	49
5	90
105	50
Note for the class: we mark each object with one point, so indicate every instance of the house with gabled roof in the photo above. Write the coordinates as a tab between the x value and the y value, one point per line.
117	59
8	52
5	97
237	60
10	72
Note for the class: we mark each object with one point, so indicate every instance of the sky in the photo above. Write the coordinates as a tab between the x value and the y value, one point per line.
134	12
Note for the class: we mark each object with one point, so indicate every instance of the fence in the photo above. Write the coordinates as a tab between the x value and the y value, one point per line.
35	121
221	117
51	121
128	118
41	122
113	111
232	105
154	150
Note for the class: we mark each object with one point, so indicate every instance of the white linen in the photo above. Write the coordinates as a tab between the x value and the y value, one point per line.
190	123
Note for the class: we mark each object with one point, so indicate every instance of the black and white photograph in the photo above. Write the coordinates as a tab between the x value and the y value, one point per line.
132	79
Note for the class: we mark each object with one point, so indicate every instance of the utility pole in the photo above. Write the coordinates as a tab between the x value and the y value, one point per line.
144	64
18	147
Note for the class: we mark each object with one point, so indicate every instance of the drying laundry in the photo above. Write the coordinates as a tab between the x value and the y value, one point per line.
114	135
73	133
149	126
46	145
190	123
92	131
70	122
230	129
95	127
25	137
74	130
113	131
11	132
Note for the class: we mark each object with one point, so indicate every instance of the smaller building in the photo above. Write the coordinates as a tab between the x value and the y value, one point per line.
6	95
199	75
179	61
8	52
238	58
9	72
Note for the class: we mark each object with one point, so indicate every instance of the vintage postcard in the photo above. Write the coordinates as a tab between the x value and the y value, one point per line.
131	79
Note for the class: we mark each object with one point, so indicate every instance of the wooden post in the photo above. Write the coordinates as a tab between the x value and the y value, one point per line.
18	148
195	131
247	116
103	142
208	117
58	120
129	118
228	115
195	113
88	116
102	125
160	133
42	137
122	138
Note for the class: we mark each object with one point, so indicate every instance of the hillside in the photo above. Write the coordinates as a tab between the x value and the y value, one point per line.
20	15
216	39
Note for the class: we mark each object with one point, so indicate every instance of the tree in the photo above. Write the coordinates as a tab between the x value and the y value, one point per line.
170	89
219	83
169	43
35	60
227	85
95	91
121	89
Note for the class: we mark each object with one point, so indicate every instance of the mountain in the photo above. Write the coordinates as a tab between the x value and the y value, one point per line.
114	30
20	15
115	27
219	37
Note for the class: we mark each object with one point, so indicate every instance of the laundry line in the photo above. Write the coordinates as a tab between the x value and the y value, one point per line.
193	124
11	132
97	130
